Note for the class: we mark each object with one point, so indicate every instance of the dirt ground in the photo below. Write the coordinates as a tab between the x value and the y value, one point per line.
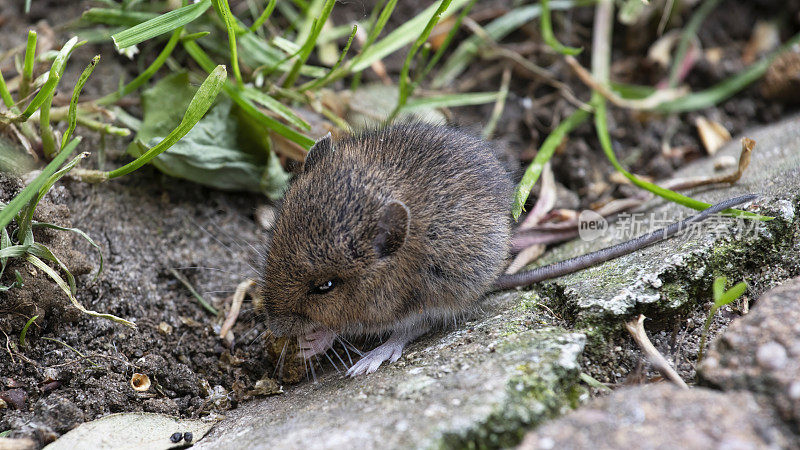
75	368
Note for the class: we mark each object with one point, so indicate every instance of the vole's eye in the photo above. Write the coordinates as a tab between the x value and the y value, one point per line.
325	287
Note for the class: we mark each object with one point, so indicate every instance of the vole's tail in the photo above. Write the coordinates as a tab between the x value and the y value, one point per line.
590	259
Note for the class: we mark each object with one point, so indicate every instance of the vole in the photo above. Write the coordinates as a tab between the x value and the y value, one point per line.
393	231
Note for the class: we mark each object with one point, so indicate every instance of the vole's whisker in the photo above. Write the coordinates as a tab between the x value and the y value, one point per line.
221	291
305	361
311	364
346	352
332	363
207	268
279	365
227	247
340	358
236	242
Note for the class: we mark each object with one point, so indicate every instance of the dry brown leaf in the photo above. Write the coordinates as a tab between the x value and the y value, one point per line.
712	133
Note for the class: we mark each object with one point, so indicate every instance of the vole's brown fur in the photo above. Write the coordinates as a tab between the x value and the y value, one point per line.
396	230
409	222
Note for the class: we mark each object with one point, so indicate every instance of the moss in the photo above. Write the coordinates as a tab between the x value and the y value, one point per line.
540	389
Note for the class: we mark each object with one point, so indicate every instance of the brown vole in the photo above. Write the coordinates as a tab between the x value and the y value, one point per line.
395	231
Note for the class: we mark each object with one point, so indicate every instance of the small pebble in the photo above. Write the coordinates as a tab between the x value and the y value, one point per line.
188	437
771	355
176	437
794	390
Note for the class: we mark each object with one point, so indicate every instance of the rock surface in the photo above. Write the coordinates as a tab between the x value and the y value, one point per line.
665	417
478	385
761	352
668	277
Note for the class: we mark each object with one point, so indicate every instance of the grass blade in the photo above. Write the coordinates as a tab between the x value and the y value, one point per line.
160	25
9	211
550	37
728	87
200	104
264	15
4	94
78	232
719	287
401	36
309	44
227	17
406	87
270	103
730	295
27	68
117	17
686	36
312	85
451	100
544	154
24	331
147	73
247	106
27	212
73	103
497	29
52	80
39	264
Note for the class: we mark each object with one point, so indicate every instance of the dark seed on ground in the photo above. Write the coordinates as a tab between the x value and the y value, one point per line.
176	437
188	436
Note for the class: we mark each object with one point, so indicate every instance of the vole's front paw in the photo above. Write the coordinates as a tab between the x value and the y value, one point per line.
389	351
316	342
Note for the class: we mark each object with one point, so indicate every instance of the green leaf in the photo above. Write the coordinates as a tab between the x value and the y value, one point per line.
731	295
274	180
216	153
719	287
226	149
160	25
198	106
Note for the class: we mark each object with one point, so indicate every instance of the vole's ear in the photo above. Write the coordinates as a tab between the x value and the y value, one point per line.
319	150
392	229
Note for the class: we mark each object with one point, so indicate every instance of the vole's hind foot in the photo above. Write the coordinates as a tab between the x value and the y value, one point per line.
391	351
316	343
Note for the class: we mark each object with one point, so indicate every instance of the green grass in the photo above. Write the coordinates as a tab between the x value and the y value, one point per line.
721	298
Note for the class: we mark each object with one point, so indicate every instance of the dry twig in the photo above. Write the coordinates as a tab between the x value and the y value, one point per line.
636	328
